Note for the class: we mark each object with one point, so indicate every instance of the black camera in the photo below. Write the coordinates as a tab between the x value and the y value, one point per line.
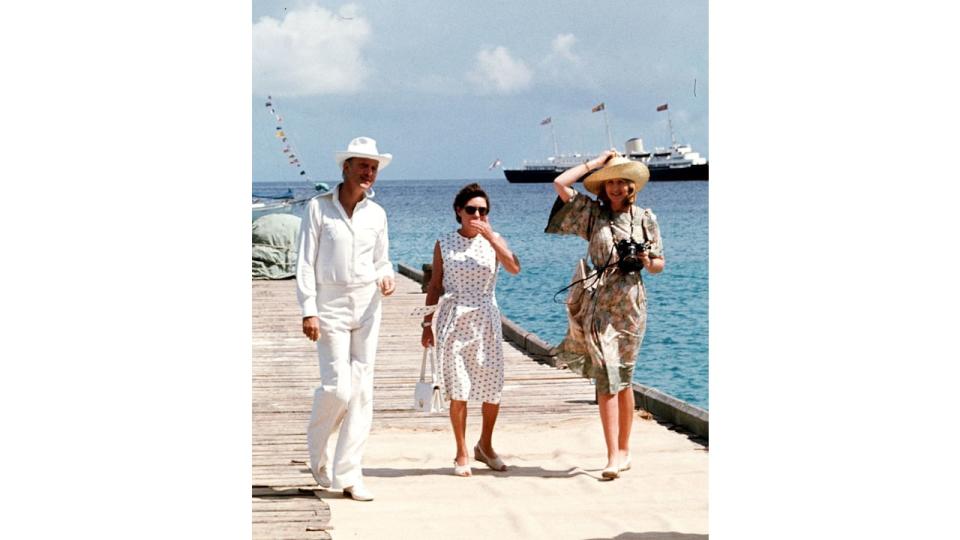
628	253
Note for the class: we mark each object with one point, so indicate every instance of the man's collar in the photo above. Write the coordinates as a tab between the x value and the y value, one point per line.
335	192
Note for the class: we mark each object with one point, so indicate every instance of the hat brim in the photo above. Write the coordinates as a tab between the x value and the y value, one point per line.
636	172
384	159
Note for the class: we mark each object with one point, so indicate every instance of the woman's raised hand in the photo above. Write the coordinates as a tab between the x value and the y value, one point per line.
481	227
600	160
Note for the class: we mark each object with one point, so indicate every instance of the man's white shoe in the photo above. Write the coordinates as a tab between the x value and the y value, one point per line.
358	493
320	477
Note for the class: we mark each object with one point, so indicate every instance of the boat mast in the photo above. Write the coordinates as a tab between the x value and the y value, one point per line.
602	107
556	149
673	140
549	120
607	122
666	107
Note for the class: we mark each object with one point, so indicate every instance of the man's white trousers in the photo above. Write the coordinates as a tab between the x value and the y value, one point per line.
349	327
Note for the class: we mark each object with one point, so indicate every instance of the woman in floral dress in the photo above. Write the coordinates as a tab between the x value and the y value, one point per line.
611	317
467	324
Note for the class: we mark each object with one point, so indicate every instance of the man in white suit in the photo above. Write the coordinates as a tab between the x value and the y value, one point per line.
343	271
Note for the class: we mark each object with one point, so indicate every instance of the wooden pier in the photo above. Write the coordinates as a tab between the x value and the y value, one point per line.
536	399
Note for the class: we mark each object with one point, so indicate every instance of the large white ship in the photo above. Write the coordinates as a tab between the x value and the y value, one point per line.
677	162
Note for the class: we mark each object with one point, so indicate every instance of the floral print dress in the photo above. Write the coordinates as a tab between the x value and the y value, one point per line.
615	315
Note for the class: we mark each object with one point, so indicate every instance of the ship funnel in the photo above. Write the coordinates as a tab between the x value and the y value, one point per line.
634	146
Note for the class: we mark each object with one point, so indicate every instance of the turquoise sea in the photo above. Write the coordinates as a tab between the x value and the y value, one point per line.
674	356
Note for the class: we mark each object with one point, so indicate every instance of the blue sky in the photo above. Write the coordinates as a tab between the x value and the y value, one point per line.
447	87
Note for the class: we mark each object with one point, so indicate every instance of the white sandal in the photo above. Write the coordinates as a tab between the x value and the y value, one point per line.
461	470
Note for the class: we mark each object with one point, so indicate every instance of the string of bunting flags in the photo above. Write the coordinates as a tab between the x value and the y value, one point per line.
288	147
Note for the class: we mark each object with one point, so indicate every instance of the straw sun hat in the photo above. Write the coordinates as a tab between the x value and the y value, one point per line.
618	167
363	147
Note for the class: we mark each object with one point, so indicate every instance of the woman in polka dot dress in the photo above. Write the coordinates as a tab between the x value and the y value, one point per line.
467	323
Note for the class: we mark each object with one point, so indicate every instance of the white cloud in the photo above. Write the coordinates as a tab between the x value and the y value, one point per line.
562	66
562	45
311	51
496	71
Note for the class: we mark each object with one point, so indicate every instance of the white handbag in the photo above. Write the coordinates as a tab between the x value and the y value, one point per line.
426	396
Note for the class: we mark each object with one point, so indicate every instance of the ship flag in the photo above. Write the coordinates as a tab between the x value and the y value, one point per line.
662	107
494	165
601	107
545	121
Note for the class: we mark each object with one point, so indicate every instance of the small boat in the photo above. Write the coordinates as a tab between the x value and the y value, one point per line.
262	208
285	203
287	195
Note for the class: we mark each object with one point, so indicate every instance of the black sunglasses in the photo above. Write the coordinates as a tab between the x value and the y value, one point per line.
474	209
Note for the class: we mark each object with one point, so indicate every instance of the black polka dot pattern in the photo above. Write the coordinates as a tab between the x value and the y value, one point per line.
469	335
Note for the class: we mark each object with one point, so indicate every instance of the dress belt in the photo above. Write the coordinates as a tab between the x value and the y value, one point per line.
470	300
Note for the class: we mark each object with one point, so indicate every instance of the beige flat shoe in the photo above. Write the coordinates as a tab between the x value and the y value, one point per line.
610	473
625	466
496	463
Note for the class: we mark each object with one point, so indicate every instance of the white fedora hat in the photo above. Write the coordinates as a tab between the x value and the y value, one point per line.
363	147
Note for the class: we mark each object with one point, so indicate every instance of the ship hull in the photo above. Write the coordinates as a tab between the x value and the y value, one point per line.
657	174
539	176
669	174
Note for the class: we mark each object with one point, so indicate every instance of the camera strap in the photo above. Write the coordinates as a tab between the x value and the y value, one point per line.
599	271
643	229
595	276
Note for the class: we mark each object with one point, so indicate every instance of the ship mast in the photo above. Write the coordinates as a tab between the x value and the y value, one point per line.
556	149
602	107
673	140
607	122
549	120
666	107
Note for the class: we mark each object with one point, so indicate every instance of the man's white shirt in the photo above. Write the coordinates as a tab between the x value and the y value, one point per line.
337	250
